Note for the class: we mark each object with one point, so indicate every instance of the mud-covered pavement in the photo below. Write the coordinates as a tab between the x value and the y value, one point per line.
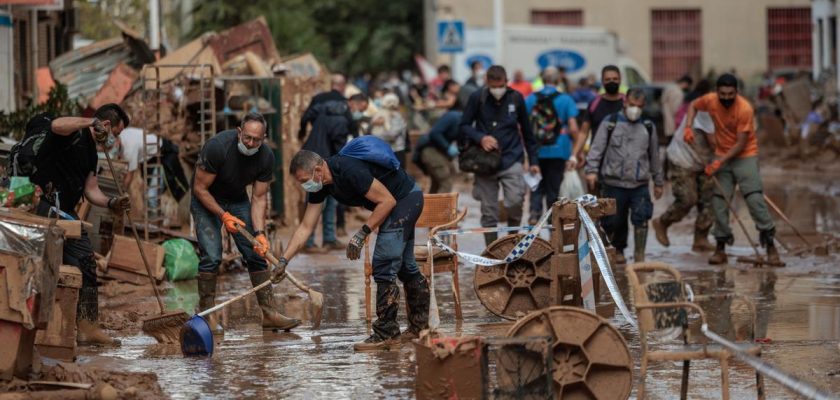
798	311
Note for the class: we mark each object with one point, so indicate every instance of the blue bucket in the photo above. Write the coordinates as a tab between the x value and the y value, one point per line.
196	338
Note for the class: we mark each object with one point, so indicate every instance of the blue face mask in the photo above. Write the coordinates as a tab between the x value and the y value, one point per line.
357	115
311	186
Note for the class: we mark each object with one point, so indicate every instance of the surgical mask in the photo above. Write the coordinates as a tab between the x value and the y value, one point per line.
110	141
357	115
611	87
245	150
311	186
498	92
633	113
727	102
377	103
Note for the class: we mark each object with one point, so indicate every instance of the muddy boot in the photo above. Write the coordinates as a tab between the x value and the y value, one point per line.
619	257
766	238
386	330
640	234
88	332
720	253
490	237
207	299
272	319
702	243
417	298
661	229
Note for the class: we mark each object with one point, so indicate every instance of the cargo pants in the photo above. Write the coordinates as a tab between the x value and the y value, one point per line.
745	173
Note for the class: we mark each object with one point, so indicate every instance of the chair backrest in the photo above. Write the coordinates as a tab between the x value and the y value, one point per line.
657	283
438	209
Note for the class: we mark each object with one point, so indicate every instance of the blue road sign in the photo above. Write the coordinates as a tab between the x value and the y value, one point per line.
451	36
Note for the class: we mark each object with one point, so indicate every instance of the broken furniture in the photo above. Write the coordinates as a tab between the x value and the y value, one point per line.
58	341
661	305
440	212
547	274
30	256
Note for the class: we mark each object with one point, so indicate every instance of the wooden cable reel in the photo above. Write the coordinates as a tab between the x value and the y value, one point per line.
590	358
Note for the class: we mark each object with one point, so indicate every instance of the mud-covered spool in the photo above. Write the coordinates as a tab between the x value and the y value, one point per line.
518	288
591	360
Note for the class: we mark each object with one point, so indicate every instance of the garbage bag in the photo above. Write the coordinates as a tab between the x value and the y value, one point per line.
180	261
572	186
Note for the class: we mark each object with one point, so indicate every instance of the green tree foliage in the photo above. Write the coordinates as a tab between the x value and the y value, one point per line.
96	17
347	35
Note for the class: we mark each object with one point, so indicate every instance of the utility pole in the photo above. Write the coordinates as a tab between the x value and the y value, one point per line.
429	28
498	28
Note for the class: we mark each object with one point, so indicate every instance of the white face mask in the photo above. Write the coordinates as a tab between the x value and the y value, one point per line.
633	113
311	186
245	150
498	92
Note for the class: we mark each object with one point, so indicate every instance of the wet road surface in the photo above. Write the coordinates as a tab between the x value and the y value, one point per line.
798	310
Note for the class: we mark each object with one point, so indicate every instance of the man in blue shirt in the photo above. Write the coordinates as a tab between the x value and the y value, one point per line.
555	143
493	119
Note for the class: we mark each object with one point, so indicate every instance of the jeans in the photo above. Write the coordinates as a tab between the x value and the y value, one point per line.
552	170
635	202
208	231
393	254
327	223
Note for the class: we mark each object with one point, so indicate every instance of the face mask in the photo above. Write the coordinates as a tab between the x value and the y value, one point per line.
611	87
727	102
498	92
245	150
110	142
357	115
633	113
377	103
311	186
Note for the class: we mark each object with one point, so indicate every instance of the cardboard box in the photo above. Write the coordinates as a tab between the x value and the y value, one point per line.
125	255
58	341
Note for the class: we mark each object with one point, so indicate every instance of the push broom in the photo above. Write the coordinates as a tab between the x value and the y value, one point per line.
166	327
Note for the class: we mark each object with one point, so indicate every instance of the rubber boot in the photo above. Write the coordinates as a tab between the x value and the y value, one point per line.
417	299
207	299
87	313
640	234
720	254
490	237
767	239
661	229
386	330
619	257
271	318
702	243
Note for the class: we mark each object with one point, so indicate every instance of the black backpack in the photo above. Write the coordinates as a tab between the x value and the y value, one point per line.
544	122
24	155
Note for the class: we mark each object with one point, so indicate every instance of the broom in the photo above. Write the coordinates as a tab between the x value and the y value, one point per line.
166	327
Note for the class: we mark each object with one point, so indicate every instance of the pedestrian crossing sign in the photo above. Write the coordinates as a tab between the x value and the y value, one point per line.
451	36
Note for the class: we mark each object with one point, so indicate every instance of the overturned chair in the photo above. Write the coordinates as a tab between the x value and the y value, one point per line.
661	306
440	212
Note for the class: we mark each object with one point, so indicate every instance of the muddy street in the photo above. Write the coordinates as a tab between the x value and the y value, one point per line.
798	316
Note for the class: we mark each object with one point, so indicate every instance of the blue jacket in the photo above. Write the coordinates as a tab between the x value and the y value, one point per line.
445	131
508	115
566	109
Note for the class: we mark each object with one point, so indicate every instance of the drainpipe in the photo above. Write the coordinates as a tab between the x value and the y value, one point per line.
154	25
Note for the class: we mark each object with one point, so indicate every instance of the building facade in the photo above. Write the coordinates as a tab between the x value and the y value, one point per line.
670	38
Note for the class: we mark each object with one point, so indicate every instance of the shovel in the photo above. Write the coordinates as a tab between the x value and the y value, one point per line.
315	297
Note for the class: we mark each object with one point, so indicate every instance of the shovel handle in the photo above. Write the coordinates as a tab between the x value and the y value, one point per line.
272	259
786	219
224	304
737	218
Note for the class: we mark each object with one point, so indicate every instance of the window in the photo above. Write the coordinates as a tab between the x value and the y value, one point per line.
677	43
557	17
789	37
631	77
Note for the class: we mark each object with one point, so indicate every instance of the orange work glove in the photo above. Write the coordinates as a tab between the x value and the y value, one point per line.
688	135
713	167
232	224
261	247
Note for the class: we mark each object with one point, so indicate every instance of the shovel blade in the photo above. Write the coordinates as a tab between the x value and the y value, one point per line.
197	338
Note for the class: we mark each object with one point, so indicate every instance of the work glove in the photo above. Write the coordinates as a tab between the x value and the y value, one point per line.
453	150
261	247
713	167
119	205
688	135
354	248
232	224
100	132
279	272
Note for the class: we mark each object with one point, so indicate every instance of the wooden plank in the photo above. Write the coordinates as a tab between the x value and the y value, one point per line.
125	255
126	277
73	229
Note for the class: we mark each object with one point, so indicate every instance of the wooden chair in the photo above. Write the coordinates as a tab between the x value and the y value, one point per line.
661	304
440	212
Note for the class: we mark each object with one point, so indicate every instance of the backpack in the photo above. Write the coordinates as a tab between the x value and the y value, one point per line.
371	149
23	155
544	121
611	127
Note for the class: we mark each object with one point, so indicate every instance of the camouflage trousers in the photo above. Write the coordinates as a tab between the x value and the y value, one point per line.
691	189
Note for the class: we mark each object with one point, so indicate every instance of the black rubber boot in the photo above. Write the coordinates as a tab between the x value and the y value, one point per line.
490	237
87	315
207	298
272	319
719	257
417	298
767	240
386	330
640	234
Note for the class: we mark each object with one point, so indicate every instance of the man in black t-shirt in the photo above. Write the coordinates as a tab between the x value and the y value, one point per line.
608	103
226	165
396	202
65	168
